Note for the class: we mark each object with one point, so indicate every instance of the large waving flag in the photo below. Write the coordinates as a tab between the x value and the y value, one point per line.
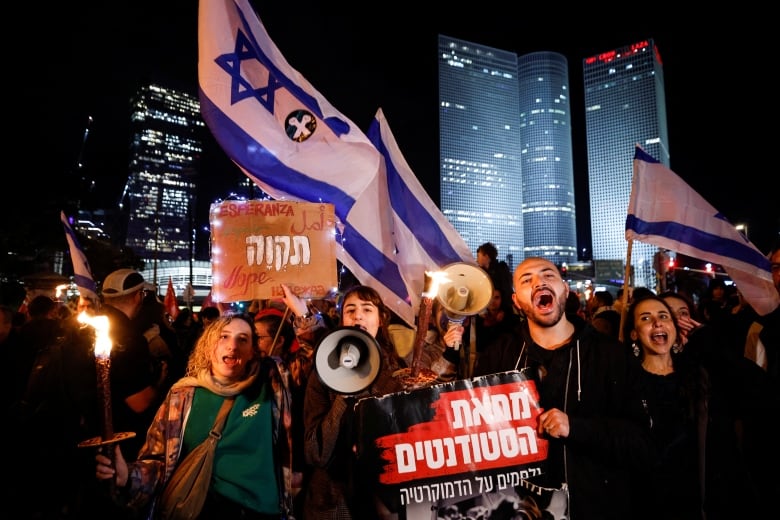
291	142
663	210
424	239
82	274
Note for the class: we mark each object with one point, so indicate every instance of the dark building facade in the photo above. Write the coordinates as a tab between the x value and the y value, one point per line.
165	149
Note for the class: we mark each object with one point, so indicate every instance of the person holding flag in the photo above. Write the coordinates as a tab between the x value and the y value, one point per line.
665	211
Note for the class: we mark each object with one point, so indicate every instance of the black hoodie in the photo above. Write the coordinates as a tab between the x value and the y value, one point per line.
592	381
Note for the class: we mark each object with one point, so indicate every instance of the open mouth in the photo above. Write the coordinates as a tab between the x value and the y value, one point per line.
543	299
230	361
659	337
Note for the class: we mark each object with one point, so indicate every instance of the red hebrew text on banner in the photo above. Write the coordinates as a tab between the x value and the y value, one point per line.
482	427
467	441
259	245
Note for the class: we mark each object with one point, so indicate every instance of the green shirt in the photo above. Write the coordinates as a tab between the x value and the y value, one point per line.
244	466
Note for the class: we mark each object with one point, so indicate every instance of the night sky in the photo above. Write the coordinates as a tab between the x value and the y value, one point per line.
72	61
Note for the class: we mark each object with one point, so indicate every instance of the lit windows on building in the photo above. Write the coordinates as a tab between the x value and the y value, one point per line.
165	150
625	105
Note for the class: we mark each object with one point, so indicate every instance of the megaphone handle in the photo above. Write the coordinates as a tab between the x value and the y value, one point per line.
455	323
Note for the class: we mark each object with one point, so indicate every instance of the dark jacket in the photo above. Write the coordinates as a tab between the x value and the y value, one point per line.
713	422
132	370
335	491
593	382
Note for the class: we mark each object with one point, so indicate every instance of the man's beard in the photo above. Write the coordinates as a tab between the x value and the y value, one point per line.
546	320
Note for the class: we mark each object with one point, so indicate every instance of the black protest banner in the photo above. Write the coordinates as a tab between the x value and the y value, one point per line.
468	445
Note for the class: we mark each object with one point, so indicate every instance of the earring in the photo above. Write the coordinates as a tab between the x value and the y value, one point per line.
676	349
635	349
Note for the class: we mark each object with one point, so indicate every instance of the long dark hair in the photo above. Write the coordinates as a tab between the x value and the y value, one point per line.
631	320
694	379
370	294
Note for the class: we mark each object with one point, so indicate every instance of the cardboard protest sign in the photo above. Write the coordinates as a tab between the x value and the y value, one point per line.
259	245
469	446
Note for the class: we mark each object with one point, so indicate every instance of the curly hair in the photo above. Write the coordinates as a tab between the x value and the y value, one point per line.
200	358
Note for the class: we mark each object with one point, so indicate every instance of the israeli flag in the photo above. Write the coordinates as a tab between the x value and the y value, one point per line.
287	138
82	274
663	210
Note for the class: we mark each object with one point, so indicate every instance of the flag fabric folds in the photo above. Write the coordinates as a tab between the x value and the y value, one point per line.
171	305
82	274
663	210
289	140
423	237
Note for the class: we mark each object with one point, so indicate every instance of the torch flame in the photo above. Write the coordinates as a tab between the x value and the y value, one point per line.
102	339
59	290
432	281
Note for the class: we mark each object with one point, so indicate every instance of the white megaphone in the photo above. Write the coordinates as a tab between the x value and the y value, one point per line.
348	360
464	290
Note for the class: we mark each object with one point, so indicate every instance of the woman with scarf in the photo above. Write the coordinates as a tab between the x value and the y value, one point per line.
249	479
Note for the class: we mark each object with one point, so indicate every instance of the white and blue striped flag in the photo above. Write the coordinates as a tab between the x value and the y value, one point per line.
664	211
82	274
287	138
424	239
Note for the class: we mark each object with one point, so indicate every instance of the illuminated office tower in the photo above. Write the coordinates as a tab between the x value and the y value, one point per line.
625	105
160	193
479	145
549	216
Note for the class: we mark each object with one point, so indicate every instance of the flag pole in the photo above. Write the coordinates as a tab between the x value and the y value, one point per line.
624	300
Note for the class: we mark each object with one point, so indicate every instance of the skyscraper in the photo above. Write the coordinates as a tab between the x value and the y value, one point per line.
479	145
159	196
625	105
549	216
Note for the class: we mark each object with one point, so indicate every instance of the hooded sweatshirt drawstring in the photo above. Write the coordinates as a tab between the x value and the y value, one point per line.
579	374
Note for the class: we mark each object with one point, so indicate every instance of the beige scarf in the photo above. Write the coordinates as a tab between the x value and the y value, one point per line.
206	380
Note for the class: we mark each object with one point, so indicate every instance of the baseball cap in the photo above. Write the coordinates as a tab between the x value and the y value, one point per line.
124	281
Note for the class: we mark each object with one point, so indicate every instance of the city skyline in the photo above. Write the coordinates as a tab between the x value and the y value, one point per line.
625	95
361	62
481	146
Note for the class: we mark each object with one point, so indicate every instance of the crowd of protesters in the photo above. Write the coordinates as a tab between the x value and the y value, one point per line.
679	405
